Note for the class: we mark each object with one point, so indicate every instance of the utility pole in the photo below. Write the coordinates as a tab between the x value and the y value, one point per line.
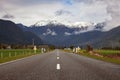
33	42
112	45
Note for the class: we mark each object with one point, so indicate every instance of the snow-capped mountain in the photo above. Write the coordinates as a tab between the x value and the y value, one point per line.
59	35
68	24
72	28
80	24
46	22
67	28
80	33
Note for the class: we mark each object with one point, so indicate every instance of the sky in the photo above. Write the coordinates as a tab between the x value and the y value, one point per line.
28	12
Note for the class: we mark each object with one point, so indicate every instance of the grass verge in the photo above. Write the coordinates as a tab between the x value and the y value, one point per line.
14	58
106	59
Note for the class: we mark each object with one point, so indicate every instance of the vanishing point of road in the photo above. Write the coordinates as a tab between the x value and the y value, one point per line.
59	65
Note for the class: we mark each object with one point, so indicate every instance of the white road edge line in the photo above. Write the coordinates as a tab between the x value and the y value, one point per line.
58	57
58	67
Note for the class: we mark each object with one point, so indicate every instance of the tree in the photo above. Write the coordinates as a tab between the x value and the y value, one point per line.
89	48
71	47
52	47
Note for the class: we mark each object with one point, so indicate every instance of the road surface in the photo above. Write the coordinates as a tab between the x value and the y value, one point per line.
59	65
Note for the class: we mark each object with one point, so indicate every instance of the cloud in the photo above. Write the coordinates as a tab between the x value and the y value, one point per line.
100	26
53	33
62	12
113	8
8	16
29	12
28	2
47	32
50	32
68	2
67	33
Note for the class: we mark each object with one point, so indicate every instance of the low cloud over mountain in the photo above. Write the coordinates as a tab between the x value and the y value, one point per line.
8	16
62	35
59	35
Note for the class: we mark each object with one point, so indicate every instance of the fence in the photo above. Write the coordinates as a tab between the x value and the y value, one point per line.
14	53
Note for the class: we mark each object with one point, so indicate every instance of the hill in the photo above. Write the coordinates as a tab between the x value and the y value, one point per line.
10	33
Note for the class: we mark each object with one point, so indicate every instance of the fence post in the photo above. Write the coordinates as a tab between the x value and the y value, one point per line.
9	54
15	54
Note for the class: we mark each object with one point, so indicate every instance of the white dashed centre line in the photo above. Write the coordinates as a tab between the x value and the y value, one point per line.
58	57
58	67
57	53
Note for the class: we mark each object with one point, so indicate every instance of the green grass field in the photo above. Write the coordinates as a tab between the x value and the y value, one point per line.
8	55
105	54
108	52
107	59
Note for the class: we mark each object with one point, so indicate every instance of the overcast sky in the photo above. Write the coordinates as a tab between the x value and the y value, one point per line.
29	12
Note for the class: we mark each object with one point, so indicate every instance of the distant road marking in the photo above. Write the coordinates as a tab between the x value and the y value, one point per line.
58	57
58	67
57	53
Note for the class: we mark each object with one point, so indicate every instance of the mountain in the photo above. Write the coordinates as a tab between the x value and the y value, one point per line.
67	29
56	34
109	39
62	35
67	24
10	33
23	27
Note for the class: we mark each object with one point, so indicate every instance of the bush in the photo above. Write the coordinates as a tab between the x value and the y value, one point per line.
89	48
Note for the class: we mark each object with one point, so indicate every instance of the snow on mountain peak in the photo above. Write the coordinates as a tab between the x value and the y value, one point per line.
41	23
46	22
79	24
68	24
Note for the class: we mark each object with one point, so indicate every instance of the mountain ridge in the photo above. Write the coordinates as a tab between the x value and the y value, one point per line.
59	35
10	33
65	36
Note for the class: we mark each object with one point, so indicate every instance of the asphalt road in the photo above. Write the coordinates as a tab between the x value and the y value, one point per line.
59	65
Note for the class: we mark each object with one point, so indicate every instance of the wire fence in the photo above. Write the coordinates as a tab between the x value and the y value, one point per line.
14	53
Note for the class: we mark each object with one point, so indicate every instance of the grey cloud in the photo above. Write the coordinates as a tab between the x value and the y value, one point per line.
29	2
62	12
86	1
50	32
113	8
8	16
67	33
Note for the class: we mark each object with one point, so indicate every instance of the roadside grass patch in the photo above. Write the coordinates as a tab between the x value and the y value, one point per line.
13	54
106	55
108	52
107	59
